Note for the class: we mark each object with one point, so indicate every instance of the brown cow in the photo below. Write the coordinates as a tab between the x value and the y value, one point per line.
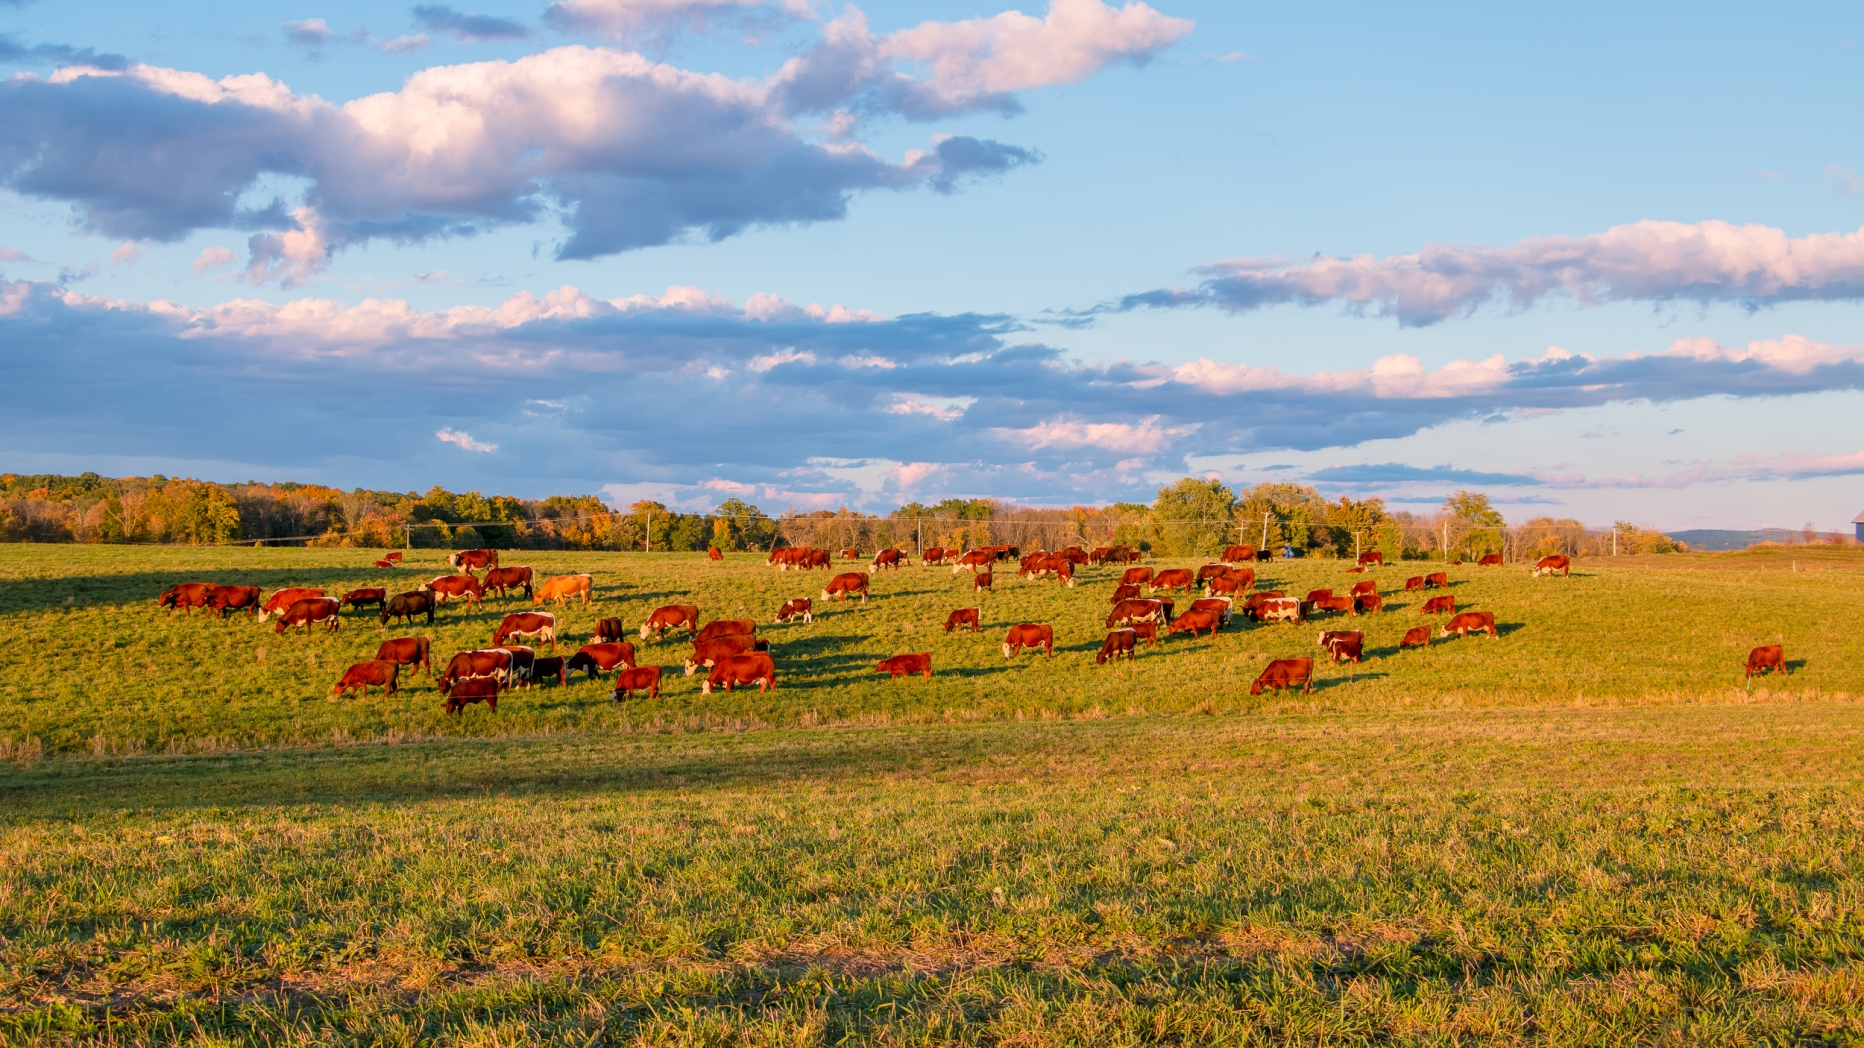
1121	593
796	607
1119	642
1056	564
539	625
846	584
1437	580
523	662
1439	605
1343	645
1770	657
1220	605
1029	635
962	617
1549	565
1138	609
641	678
1319	594
1280	609
1369	602
1238	554
406	651
712	553
1194	621
1099	554
358	598
471	690
1414	637
1136	577
669	617
1414	584
1125	555
977	559
1212	571
1360	589
851	554
307	613
596	659
725	628
362	675
234	598
393	557
1239	580
1374	559
405	606
906	665
1146	631
1465	623
469	560
562	588
933	557
609	630
505	579
285	598
887	558
544	669
1345	604
1172	579
1490	560
708	652
981	581
448	586
384	563
755	668
1285	673
492	663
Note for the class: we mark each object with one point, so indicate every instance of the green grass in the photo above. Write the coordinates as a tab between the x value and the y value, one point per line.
93	667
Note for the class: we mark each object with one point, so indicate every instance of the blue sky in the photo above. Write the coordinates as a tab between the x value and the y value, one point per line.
1599	263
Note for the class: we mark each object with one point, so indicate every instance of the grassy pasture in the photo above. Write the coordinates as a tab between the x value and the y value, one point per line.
93	667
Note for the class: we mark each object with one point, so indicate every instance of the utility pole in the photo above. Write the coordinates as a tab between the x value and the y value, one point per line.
1446	540
1265	531
650	529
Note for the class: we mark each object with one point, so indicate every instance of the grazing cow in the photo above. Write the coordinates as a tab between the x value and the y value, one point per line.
1355	571
358	598
1136	577
851	554
796	607
1029	563
1549	565
1490	560
309	612
906	665
1439	605
933	557
1099	554
780	558
406	651
285	598
1074	555
1285	673
1146	631
1211	571
1138	609
976	560
609	630
234	598
1768	657
963	617
562	588
887	558
531	625
1280	609
448	586
470	560
1220	605
1125	555
1054	563
814	558
503	579
755	668
1374	559
725	628
1239	580
708	652
1369	602
1437	580
393	557
1345	604
384	563
544	669
485	663
1416	636
641	678
712	553
1238	554
1360	589
523	662
1119	642
1029	635
981	582
1121	593
1196	620
405	606
1414	584
1319	594
597	659
670	617
1343	645
1172	579
846	584
363	675
1467	622
471	690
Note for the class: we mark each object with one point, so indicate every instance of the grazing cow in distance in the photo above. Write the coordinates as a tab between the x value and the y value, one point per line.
358	598
1121	593
1136	577
725	628
851	554
1369	602
1041	566
505	579
981	582
712	553
906	665
1285	673
363	675
1439	605
1239	580
393	557
1355	571
1195	620
1414	584
538	625
596	659
963	617
1490	560
1029	635
544	669
1467	622
1238	554
285	598
1119	642
708	652
754	668
1558	562
976	560
470	690
887	558
641	678
1138	609
406	651
1768	657
405	606
448	586
609	630
1172	579
1319	594
1099	554
384	563
1374	559
1074	555
846	584
671	616
1437	580
234	598
492	664
1345	604
933	557
470	560
796	607
1416	636
1212	571
309	612
1343	645
1125	555
562	588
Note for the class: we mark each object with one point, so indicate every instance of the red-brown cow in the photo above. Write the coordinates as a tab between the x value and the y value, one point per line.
1285	673
309	612
471	560
234	598
1138	609
1221	605
1319	594
394	557
1344	604
1212	571
708	652
1136	577
360	598
384	563
1439	605
1280	609
1414	584
285	598
609	630
851	554
796	608
641	678
597	659
1549	565
1343	645
976	560
488	663
1374	559
1121	593
981	582
887	558
1172	579
505	579
961	618
1239	580
1054	563
712	553
906	665
1125	555
1194	621
473	689
545	669
1369	602
725	628
1416	636
1119	642
523	662
447	587
846	584
531	625
1360	589
1099	554
364	675
932	556
668	617
1490	560
1437	580
1075	556
406	651
754	668
1771	657
1029	635
1465	623
1147	632
1238	554
562	588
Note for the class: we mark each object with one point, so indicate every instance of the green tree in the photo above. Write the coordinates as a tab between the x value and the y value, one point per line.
1475	525
655	522
750	527
1295	516
1192	517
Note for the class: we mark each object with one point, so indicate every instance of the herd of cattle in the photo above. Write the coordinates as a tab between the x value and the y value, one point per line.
1143	610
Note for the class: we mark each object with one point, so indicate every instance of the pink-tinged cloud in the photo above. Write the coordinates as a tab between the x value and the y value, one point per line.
465	441
8	254
1753	265
632	21
215	257
1145	436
